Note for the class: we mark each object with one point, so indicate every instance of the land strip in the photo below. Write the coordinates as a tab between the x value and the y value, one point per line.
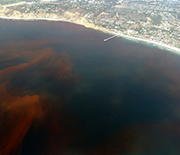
109	18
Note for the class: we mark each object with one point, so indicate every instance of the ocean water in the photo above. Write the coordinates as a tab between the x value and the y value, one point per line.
63	90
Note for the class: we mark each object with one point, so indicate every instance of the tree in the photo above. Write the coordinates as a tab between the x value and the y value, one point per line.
156	19
178	15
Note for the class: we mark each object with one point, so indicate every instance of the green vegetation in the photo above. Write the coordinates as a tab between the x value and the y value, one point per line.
131	8
178	15
156	19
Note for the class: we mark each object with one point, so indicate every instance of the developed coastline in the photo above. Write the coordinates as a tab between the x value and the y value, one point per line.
84	22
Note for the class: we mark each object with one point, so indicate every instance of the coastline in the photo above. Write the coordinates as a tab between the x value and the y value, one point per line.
158	45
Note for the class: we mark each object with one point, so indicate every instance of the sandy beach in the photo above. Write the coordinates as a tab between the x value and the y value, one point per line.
170	48
167	47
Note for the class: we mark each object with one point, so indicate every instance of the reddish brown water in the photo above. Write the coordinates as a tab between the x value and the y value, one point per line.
64	91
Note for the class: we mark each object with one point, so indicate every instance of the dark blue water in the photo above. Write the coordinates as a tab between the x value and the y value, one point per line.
65	91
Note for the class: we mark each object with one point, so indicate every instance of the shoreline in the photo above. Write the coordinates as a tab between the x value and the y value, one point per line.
158	45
